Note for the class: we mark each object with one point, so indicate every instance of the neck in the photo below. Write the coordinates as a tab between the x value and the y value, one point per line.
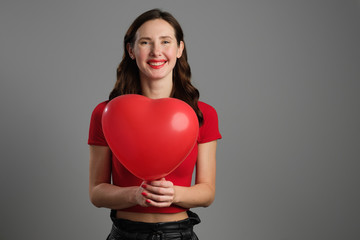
156	89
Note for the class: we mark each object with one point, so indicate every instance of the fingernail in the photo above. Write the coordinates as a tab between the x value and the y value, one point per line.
144	186
144	194
148	201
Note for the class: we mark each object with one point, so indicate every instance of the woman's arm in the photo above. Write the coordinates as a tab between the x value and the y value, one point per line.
102	192
202	194
162	193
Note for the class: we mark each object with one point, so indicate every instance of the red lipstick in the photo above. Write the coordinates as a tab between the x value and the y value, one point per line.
156	64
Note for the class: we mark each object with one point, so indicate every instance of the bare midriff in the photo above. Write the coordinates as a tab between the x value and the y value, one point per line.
152	217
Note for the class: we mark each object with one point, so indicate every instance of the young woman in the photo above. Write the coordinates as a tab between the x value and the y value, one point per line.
155	65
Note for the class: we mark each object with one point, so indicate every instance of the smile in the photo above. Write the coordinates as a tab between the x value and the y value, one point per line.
156	64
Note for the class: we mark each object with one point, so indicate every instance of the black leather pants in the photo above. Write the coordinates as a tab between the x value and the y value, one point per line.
128	230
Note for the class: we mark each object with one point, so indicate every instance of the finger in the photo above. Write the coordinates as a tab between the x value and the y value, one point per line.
143	184
157	204
158	198
161	183
160	190
141	198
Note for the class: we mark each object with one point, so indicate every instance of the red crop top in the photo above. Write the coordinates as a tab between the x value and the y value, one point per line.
181	176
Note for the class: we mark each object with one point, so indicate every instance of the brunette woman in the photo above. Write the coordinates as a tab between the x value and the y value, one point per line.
155	65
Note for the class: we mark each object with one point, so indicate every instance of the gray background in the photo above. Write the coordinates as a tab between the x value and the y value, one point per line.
283	75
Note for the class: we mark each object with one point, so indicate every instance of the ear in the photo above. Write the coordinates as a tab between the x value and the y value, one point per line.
130	51
180	49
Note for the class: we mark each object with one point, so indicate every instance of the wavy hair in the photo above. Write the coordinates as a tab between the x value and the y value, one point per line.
128	78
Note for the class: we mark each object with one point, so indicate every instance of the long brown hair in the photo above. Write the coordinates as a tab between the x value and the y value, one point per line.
128	78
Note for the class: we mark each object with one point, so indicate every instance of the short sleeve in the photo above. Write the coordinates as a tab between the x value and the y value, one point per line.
96	135
209	130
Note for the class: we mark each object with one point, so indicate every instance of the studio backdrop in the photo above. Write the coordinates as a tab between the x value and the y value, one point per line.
283	75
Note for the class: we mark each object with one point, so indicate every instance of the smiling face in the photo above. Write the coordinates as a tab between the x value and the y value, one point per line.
155	50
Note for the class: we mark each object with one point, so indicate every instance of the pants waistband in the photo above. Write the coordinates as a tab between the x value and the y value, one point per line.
164	227
117	233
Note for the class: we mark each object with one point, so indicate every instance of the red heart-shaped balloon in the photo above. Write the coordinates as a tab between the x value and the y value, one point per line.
150	137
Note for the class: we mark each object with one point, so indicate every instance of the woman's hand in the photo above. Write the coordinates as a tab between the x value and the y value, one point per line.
159	193
139	195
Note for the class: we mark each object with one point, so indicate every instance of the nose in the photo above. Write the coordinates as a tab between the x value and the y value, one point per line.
155	49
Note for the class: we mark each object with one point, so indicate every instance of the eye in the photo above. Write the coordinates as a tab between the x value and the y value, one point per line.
166	42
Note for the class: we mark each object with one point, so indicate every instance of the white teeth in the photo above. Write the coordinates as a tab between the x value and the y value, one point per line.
156	63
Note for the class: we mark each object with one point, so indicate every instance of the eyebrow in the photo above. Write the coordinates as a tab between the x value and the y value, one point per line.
148	38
